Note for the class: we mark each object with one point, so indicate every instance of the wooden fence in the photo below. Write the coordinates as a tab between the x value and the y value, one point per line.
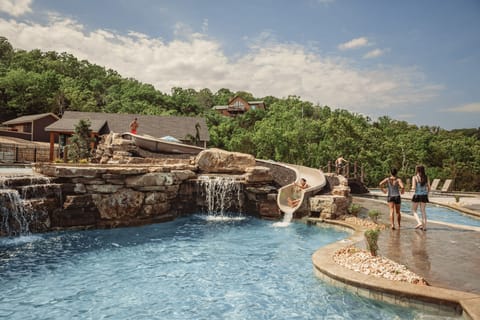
349	170
11	153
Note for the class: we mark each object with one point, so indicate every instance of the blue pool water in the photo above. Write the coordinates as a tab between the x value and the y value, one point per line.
191	268
443	214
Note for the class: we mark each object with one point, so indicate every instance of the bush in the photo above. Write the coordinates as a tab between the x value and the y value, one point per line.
373	214
457	198
371	236
354	209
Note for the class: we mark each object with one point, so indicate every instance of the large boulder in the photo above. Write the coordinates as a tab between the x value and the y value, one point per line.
221	161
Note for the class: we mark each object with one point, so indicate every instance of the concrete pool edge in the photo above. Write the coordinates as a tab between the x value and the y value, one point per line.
427	298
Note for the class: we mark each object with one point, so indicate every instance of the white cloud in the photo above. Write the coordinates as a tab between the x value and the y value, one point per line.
354	43
194	61
471	107
374	54
15	8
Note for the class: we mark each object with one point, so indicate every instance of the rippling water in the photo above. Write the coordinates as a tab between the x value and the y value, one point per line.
191	268
443	214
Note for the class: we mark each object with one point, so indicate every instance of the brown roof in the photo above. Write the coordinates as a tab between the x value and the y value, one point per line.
67	125
155	126
29	118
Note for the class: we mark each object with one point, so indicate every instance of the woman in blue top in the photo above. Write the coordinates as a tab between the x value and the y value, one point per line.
395	188
421	187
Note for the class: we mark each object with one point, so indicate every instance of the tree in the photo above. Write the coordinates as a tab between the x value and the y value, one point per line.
79	143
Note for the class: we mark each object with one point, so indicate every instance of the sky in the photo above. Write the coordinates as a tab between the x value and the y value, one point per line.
411	60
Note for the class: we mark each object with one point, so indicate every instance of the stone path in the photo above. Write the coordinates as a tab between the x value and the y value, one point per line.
445	256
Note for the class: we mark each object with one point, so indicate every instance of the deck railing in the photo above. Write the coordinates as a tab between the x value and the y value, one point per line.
12	153
348	170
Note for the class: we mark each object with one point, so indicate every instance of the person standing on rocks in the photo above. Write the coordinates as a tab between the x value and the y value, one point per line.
340	164
394	188
134	126
420	188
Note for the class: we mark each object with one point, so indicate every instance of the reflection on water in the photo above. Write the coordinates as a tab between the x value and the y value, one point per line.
419	250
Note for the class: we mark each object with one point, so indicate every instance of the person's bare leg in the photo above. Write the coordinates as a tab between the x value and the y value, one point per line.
423	206
399	215
391	206
414	211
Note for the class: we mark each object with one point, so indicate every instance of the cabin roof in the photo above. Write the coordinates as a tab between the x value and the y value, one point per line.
29	118
155	126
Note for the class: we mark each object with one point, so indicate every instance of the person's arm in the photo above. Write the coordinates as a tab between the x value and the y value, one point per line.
402	187
414	184
381	185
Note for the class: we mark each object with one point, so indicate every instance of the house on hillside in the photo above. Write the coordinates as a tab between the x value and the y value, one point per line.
31	127
180	128
237	105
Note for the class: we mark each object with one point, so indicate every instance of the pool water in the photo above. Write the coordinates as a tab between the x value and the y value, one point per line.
443	214
15	171
191	268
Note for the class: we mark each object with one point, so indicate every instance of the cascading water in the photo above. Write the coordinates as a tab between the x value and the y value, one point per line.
14	211
221	193
21	198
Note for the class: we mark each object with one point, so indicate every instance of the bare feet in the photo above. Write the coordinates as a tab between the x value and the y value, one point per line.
419	226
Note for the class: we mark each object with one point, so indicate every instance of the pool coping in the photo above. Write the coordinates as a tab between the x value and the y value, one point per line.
430	299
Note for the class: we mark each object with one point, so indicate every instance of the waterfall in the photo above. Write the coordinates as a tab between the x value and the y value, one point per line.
16	213
221	193
22	199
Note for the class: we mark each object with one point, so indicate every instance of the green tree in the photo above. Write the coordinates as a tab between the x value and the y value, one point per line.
80	142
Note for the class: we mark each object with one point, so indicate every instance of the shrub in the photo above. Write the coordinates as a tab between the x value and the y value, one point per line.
354	209
371	236
373	214
457	198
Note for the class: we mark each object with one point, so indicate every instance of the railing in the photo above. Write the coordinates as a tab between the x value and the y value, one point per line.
348	170
11	153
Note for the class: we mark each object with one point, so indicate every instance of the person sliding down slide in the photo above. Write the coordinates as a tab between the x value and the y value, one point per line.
294	200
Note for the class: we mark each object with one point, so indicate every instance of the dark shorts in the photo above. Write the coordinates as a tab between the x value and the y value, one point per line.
420	198
394	199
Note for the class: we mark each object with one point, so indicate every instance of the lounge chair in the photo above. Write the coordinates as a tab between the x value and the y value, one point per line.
434	185
447	185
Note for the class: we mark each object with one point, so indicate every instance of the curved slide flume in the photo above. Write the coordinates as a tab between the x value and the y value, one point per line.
315	179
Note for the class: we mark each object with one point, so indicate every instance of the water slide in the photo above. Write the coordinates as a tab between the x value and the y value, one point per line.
315	179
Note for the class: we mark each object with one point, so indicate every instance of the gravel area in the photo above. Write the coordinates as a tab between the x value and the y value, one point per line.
362	261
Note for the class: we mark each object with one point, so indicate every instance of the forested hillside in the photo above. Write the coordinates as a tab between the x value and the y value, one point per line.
290	130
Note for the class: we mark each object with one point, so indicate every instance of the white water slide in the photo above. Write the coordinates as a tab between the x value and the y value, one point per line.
315	179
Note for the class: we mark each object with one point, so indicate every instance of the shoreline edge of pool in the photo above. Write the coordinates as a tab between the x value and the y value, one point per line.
431	299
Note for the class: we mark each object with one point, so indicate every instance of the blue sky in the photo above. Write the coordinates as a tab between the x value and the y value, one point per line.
412	60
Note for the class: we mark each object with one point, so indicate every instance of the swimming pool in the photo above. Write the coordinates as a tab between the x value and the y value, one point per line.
15	170
443	214
191	268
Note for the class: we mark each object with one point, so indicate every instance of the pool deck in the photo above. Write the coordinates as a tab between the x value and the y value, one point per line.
447	256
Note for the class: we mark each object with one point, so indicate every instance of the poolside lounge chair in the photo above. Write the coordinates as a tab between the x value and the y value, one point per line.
447	185
434	185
